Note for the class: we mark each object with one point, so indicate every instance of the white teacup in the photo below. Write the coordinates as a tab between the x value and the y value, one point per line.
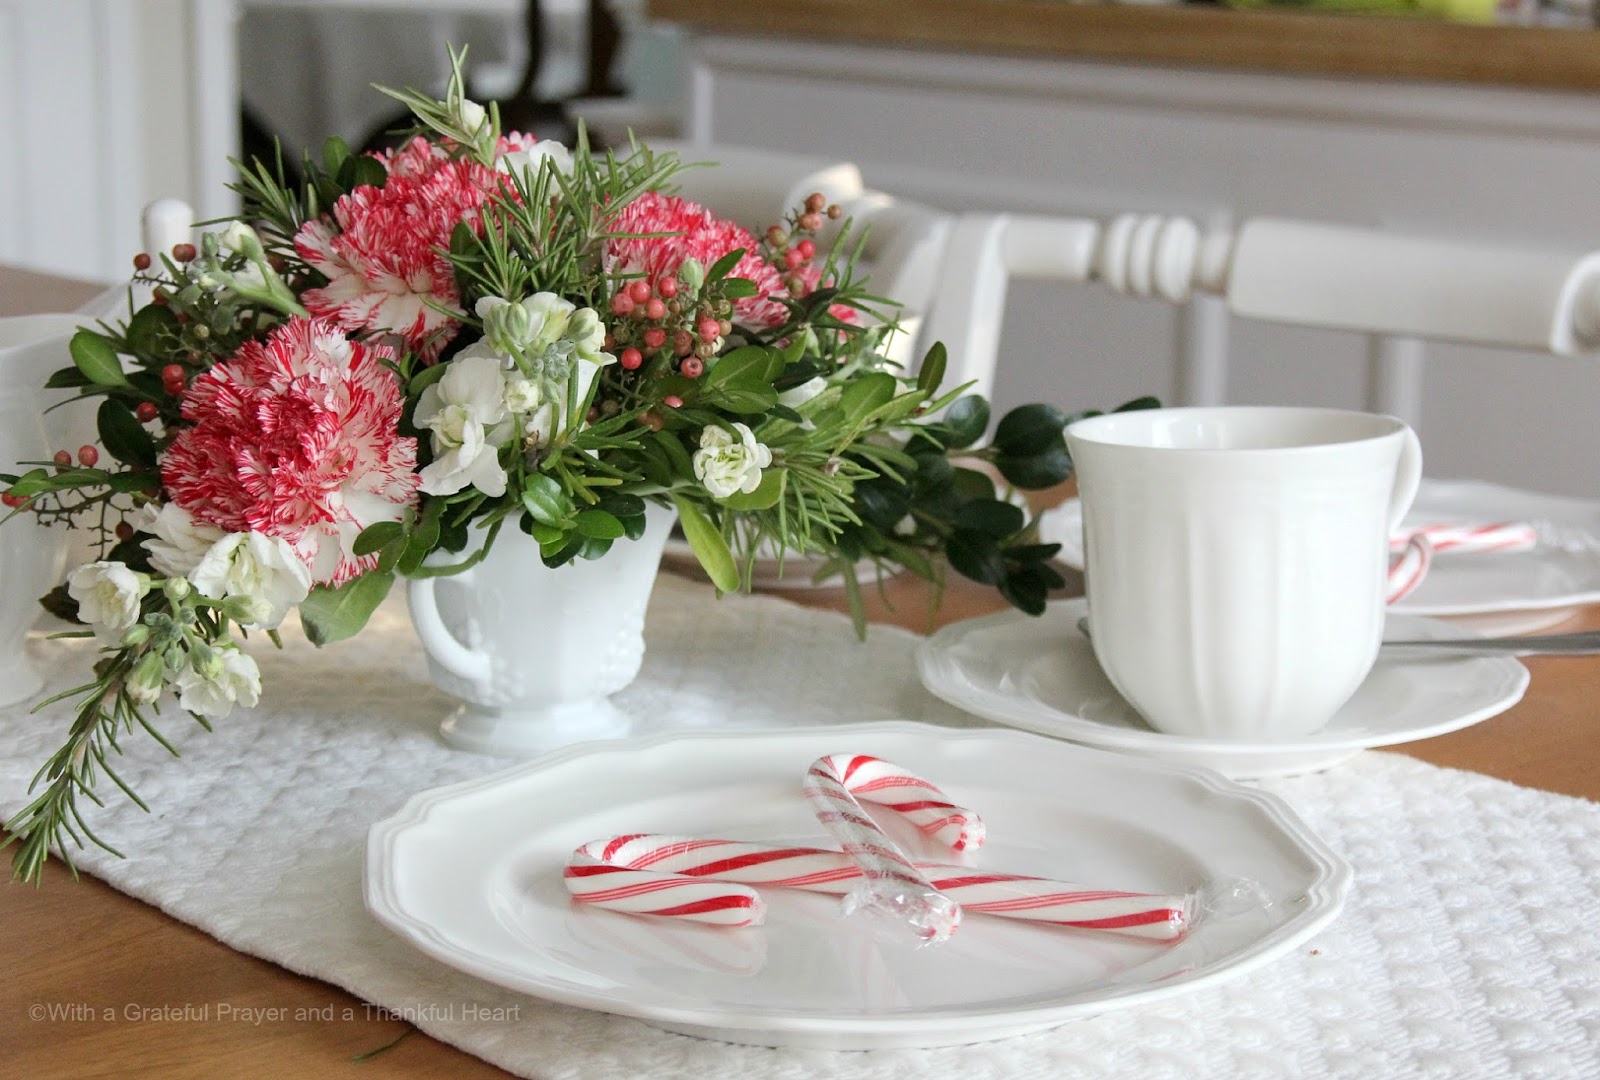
1236	559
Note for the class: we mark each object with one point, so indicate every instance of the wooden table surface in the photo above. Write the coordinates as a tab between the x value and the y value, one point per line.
97	983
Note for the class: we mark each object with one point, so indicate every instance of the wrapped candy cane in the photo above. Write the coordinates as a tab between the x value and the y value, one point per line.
889	884
1409	567
1467	538
871	779
736	865
596	876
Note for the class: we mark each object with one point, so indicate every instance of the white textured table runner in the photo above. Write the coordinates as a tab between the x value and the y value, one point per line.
1470	946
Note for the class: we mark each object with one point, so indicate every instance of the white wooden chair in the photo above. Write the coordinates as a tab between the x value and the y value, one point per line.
1400	290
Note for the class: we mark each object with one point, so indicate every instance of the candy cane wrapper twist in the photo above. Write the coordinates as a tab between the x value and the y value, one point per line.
889	884
734	865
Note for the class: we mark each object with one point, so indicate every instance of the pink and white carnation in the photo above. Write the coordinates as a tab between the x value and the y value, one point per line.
296	437
698	234
382	249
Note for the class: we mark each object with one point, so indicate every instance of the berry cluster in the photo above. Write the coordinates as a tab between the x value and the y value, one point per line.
791	250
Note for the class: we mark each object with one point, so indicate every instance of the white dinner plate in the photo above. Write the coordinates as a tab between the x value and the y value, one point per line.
1041	675
1507	593
472	875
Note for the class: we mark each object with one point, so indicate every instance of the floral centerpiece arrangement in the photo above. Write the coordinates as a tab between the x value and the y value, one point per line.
373	372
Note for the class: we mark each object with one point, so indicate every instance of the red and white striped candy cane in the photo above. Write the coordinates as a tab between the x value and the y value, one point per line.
1012	896
1407	569
871	779
889	883
599	874
1469	539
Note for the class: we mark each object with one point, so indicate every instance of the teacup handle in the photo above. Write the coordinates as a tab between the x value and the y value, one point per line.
1408	477
443	646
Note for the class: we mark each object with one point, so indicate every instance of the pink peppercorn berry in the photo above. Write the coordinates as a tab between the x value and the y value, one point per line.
622	303
672	401
141	261
692	367
13	501
655	309
815	202
630	359
639	291
146	412
655	337
63	459
667	288
87	456
708	329
123	530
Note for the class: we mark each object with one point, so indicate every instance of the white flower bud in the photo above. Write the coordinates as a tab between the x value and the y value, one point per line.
729	462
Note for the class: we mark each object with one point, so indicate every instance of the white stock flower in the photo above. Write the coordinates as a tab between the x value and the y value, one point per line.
522	395
729	462
178	541
238	682
531	326
262	570
470	116
108	596
241	238
796	396
526	163
466	411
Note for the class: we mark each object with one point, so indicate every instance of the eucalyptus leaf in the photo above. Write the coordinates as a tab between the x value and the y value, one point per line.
966	420
708	545
975	555
334	614
931	373
1029	429
598	525
997	519
123	436
377	536
1038	471
95	356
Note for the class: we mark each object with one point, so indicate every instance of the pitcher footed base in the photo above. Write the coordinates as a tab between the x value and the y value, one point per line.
528	732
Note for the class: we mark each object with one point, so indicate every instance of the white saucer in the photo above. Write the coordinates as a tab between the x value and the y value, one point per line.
1041	675
1501	593
471	875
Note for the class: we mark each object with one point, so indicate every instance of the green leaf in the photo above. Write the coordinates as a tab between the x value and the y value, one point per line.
96	357
546	500
975	555
377	536
145	330
672	446
622	506
66	379
60	603
966	419
330	615
599	525
423	539
720	268
997	519
124	437
741	400
867	393
708	545
426	378
737	288
1039	471
368	172
766	495
931	373
740	363
1029	429
1138	403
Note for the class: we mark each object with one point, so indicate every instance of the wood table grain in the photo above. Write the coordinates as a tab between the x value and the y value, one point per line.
100	985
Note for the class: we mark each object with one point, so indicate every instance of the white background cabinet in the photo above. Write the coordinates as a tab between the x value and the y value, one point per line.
973	131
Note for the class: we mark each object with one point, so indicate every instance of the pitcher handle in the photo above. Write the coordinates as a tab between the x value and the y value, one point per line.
1408	477
443	646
